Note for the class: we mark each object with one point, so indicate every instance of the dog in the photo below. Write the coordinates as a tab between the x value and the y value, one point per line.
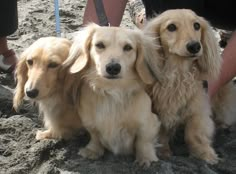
113	104
41	79
223	106
189	54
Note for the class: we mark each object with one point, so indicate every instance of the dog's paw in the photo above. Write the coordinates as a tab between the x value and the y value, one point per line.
90	154
146	162
210	157
165	153
40	135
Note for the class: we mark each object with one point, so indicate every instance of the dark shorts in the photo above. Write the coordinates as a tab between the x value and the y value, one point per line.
221	14
8	17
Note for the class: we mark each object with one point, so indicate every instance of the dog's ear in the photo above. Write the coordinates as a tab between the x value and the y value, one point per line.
210	63
146	50
152	31
21	78
79	52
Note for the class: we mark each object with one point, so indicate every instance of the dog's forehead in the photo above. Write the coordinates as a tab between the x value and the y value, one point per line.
113	33
49	49
45	55
179	16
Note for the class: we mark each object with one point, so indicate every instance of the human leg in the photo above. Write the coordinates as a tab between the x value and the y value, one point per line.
114	10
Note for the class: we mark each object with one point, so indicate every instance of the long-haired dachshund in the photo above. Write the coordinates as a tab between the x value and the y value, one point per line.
113	104
189	55
41	79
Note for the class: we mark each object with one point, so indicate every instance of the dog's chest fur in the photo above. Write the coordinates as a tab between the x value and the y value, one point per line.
110	116
50	108
172	96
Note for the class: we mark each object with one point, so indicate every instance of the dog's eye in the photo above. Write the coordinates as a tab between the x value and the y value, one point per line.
30	62
196	26
127	47
52	65
100	45
171	27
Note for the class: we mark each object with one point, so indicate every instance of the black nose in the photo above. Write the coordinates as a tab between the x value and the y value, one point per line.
113	68
32	93
193	47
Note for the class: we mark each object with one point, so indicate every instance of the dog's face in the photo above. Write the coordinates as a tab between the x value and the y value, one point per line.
38	70
181	33
186	36
113	55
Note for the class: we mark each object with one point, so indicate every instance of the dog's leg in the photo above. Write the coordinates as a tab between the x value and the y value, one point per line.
164	137
145	142
94	149
198	133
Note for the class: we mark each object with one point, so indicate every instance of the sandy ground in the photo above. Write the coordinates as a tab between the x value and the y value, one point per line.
20	153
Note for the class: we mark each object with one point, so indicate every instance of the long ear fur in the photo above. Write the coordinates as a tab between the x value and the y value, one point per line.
21	78
155	59
146	50
79	52
210	63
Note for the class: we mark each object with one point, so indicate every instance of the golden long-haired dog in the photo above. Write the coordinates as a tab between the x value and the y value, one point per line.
113	104
189	54
40	78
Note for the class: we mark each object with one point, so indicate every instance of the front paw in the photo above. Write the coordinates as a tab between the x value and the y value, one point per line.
90	153
146	161
165	153
210	157
40	135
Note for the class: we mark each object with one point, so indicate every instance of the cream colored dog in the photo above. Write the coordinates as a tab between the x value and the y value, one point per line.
113	104
40	78
189	55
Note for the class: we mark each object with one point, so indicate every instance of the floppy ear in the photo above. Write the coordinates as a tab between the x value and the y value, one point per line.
21	78
210	63
146	50
152	34
79	51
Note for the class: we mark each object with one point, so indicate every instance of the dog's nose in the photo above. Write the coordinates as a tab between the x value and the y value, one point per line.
193	47
32	93
113	68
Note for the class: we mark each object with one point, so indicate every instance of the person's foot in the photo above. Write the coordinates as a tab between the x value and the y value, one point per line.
8	61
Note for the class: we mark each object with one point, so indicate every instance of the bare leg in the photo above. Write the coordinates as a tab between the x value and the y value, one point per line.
114	10
3	49
228	70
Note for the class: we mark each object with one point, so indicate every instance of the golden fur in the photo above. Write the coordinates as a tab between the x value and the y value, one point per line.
40	78
223	106
178	95
115	108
